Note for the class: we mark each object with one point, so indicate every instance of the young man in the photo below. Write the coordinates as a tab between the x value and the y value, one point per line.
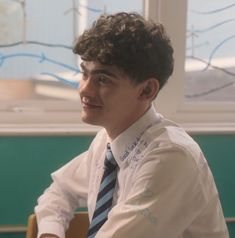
156	182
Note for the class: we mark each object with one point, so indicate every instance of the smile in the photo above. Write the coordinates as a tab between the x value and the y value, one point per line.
86	104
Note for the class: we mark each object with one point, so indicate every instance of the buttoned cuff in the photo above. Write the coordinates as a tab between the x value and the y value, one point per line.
50	227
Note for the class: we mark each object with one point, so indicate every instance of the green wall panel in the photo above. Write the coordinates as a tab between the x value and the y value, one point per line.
220	154
25	167
27	162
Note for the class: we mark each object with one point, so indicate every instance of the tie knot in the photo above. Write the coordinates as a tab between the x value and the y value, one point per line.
109	162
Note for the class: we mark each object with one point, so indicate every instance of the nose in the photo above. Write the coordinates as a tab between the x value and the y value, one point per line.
87	88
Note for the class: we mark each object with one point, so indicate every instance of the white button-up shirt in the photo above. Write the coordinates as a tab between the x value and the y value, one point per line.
164	188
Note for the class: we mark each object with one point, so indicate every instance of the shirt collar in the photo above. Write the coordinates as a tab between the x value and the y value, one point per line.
127	140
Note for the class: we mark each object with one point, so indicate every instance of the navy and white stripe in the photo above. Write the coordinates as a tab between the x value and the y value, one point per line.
105	195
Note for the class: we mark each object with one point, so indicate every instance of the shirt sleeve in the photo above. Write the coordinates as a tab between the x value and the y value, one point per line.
165	197
57	204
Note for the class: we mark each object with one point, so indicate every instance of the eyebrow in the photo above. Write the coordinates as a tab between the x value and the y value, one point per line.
98	71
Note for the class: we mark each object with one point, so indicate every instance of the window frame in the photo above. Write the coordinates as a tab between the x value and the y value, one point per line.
194	117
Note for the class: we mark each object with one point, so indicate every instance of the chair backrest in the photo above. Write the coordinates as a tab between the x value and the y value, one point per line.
78	226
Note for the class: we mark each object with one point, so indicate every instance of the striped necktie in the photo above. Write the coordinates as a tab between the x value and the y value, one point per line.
105	195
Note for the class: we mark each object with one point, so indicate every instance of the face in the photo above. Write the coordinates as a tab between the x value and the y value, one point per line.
109	98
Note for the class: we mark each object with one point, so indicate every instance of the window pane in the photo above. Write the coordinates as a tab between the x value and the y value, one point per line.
36	59
210	51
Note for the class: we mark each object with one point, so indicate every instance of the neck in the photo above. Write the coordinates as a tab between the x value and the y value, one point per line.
114	131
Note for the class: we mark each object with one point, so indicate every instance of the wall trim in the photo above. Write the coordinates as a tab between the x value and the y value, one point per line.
21	228
48	130
209	128
12	229
83	129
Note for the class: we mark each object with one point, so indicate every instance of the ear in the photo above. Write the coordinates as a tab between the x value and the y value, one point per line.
149	89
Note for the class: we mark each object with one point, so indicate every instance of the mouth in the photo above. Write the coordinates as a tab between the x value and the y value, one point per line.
88	104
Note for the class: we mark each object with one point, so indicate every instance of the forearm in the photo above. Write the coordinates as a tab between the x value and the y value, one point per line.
56	206
54	211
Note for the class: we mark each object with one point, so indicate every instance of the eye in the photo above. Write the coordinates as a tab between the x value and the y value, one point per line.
103	80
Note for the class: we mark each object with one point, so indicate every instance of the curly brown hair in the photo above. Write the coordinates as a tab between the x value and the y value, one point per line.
139	47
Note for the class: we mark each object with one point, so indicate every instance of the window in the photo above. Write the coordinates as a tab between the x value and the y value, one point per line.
39	73
201	94
210	54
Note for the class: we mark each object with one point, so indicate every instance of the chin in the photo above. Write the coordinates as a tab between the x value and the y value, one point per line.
91	120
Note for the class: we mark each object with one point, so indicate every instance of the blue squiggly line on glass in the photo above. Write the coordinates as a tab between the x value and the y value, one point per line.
198	46
216	89
213	11
72	84
196	95
41	58
37	43
91	9
212	27
216	48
